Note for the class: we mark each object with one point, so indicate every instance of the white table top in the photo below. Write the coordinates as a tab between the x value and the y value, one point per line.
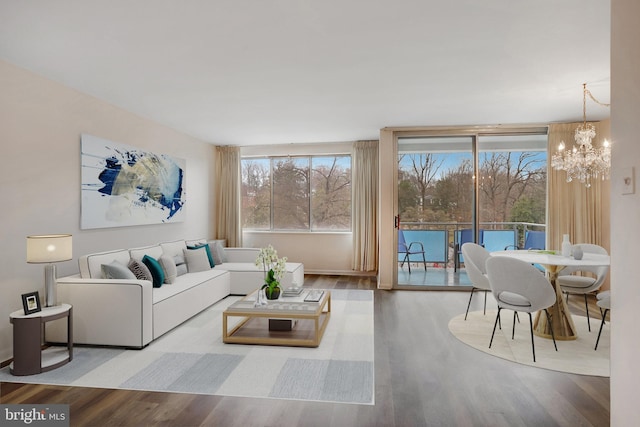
545	258
46	311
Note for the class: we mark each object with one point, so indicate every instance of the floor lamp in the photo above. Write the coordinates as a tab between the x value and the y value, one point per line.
47	249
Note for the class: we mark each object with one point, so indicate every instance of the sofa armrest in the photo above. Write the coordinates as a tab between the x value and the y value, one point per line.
242	254
113	312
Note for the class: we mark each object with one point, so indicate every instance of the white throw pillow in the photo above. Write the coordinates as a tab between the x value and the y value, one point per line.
197	259
170	270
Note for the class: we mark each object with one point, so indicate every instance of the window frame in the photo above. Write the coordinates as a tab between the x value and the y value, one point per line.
310	229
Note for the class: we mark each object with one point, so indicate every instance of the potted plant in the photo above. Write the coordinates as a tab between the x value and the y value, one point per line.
274	269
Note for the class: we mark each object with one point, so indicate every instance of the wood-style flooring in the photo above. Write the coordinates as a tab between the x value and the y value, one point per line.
423	377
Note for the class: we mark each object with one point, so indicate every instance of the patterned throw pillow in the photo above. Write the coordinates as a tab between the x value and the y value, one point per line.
140	270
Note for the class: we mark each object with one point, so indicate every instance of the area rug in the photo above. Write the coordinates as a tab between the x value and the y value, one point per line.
575	356
193	359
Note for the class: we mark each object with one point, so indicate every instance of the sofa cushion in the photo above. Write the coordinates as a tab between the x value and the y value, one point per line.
116	270
184	283
156	270
140	270
169	267
181	264
173	248
154	251
196	259
91	265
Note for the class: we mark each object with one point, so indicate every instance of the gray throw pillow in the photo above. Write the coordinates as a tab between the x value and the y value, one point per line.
181	265
216	248
222	251
197	259
116	270
140	270
170	269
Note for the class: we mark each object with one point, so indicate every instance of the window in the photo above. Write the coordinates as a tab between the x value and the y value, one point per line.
311	193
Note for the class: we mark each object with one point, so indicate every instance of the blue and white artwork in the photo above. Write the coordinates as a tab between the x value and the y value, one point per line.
125	186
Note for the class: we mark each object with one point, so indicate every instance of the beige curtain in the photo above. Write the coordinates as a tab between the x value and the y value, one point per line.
228	183
574	209
365	205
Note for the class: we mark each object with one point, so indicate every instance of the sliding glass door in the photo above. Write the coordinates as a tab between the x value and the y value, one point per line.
435	204
441	204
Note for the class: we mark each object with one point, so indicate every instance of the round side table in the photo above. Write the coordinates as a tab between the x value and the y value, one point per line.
28	356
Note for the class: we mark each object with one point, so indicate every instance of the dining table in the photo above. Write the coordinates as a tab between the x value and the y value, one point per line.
553	263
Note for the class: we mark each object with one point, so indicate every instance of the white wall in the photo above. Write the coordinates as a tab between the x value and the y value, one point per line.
40	126
625	213
321	253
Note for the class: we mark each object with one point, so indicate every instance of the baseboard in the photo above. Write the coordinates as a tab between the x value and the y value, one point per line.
341	273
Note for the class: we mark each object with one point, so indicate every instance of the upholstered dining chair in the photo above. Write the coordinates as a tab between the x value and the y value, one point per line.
604	302
571	283
475	258
463	236
533	240
519	286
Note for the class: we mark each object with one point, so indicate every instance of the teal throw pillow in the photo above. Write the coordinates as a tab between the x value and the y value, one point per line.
206	248
156	270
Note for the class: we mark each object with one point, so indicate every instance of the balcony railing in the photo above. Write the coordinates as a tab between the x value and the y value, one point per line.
441	238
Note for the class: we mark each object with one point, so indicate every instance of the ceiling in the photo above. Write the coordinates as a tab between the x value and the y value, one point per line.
253	72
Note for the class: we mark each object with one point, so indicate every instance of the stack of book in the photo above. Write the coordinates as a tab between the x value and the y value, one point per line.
293	291
314	295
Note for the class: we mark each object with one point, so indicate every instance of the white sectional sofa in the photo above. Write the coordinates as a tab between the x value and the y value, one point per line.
132	313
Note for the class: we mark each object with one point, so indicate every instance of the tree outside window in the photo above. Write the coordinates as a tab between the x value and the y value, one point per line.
297	193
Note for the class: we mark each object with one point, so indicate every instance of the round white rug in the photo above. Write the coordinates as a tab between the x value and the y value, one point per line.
576	356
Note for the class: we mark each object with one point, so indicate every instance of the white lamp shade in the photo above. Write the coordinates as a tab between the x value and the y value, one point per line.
49	248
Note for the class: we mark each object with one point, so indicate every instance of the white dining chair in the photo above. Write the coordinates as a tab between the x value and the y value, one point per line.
519	286
572	283
604	302
475	258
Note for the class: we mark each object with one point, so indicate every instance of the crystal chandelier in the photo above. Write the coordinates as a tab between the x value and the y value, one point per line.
584	162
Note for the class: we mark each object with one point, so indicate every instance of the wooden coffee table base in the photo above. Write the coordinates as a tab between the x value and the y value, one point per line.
254	327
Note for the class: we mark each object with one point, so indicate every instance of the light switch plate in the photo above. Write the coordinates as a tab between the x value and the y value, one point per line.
628	181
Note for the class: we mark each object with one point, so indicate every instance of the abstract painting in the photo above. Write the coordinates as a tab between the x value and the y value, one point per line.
125	186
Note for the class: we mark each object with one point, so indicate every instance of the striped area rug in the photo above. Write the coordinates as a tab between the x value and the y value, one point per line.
193	359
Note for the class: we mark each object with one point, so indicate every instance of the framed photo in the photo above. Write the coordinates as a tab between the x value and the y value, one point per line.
31	303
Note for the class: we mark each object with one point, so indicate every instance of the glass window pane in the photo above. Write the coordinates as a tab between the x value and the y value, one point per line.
512	183
331	193
256	194
435	180
291	193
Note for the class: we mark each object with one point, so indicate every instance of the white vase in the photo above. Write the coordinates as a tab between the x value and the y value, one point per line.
577	252
566	245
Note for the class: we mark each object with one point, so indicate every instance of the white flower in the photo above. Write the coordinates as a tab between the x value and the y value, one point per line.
268	259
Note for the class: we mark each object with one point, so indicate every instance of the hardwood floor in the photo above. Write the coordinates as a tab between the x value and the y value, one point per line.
423	377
